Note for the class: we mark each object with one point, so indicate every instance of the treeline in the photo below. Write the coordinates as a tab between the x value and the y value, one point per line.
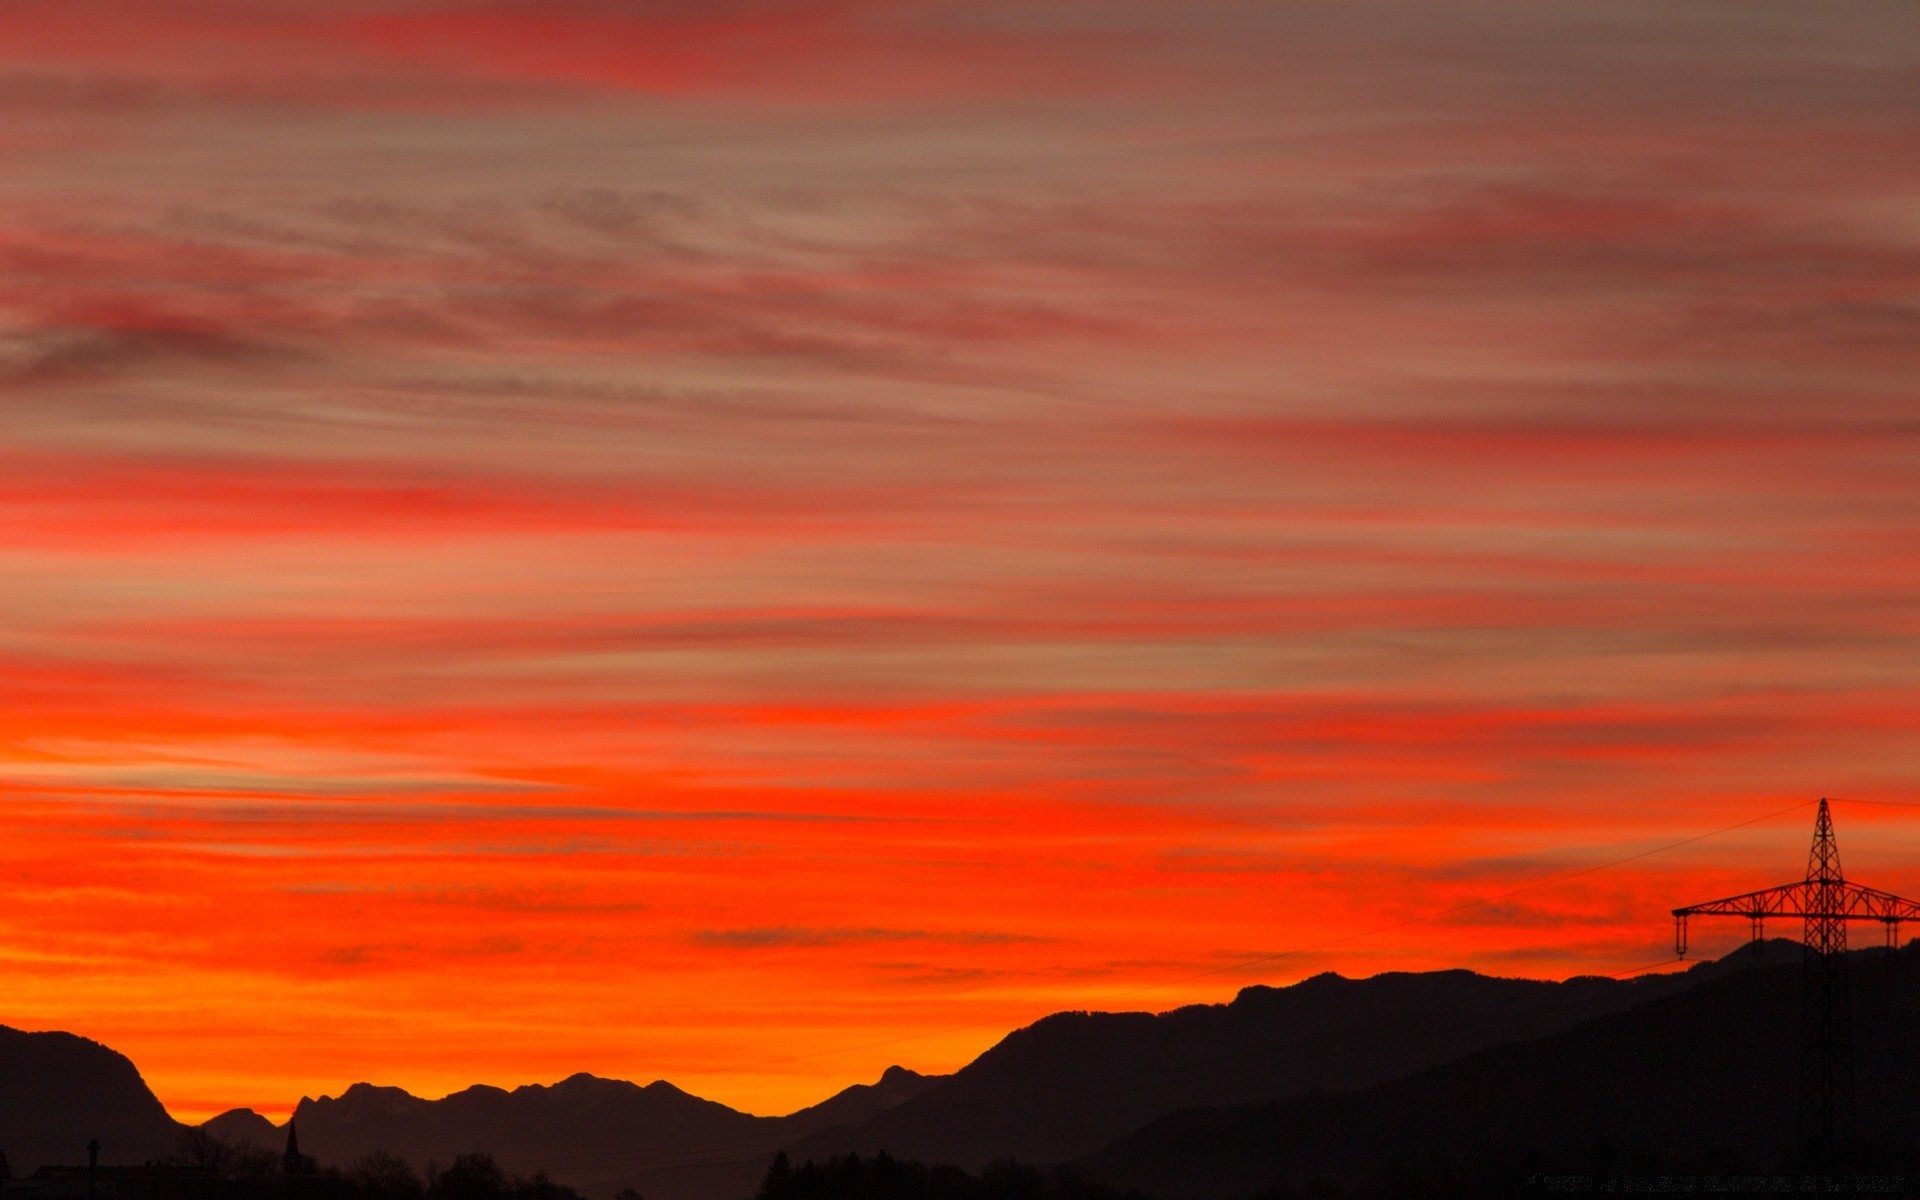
208	1168
886	1178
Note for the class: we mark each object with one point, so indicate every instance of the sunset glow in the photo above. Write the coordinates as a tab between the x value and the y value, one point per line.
744	541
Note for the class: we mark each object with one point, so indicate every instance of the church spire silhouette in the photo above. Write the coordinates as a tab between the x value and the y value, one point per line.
293	1162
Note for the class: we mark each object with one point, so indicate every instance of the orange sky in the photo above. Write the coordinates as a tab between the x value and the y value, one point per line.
744	541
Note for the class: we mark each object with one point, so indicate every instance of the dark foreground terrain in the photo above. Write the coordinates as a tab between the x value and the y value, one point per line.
1596	1170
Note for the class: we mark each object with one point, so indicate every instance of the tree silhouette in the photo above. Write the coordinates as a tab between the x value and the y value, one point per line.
384	1176
200	1151
471	1177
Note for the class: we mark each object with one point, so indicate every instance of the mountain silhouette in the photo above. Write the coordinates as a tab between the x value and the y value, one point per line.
1072	1082
864	1101
245	1127
58	1090
1710	1069
597	1135
1055	1091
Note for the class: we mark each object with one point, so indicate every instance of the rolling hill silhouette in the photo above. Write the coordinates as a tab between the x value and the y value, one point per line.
57	1090
1706	1069
1072	1082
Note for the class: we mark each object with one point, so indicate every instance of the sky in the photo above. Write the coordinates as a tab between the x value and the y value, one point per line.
744	541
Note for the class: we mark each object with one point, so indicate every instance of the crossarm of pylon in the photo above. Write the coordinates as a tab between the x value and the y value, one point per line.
1872	904
1808	898
1783	901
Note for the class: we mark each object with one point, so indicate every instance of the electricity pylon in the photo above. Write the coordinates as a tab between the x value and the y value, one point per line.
1826	901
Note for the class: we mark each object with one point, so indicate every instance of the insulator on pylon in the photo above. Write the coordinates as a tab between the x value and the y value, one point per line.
1679	936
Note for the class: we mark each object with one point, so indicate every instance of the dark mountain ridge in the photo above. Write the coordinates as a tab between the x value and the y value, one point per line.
58	1091
1070	1083
864	1101
1708	1069
596	1135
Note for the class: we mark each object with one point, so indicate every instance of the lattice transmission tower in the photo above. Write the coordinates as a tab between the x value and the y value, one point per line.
1826	901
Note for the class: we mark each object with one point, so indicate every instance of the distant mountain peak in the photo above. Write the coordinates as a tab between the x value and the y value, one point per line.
241	1126
661	1087
361	1090
585	1084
